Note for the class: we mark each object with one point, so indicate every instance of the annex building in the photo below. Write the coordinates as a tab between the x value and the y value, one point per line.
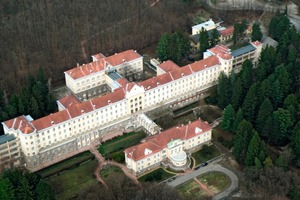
79	123
170	147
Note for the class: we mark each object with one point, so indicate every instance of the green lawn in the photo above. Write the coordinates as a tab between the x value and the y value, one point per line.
68	183
110	169
156	175
192	190
66	164
216	181
205	154
120	143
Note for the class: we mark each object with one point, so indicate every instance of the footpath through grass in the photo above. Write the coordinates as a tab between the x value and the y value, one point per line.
156	176
205	154
216	181
192	190
120	143
69	183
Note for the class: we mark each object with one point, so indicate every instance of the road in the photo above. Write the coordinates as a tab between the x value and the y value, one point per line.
209	168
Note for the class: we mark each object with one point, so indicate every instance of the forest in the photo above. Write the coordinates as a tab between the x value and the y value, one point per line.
56	35
261	108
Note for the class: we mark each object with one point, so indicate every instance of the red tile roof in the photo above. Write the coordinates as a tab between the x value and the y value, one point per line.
155	81
68	101
105	100
80	109
228	31
221	51
20	123
202	64
122	81
256	43
51	120
158	142
86	69
168	66
124	56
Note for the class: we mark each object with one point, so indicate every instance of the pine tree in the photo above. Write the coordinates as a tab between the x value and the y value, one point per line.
265	110
281	125
291	103
214	38
241	140
163	47
237	94
223	90
6	190
35	111
253	150
276	95
228	118
266	89
246	75
251	102
203	41
238	119
268	163
256	32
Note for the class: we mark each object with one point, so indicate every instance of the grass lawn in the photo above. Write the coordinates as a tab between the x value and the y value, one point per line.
66	164
156	175
205	154
192	190
215	181
105	172
121	142
69	182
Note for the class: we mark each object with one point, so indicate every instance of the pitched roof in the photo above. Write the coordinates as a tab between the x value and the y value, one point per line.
68	101
20	123
124	56
157	142
86	69
221	51
168	65
122	81
155	81
105	100
51	120
227	31
202	64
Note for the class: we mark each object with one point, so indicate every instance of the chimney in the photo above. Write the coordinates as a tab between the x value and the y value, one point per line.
108	101
52	122
82	111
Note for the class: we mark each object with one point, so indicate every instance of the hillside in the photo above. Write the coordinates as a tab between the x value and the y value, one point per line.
58	34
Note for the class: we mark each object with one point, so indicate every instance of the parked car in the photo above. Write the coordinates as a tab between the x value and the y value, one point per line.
202	165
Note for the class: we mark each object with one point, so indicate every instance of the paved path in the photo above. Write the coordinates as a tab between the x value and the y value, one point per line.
209	168
204	187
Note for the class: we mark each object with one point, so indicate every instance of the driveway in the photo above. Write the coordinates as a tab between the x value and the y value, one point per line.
209	168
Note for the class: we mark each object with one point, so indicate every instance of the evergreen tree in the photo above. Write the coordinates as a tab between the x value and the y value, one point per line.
246	75
237	94
251	102
228	118
214	38
266	89
6	190
265	110
280	162
256	32
291	103
276	95
163	47
41	77
203	41
238	119
223	90
281	125
35	111
268	163
241	140
253	150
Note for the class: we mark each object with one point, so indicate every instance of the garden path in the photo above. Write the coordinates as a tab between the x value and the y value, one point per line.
204	187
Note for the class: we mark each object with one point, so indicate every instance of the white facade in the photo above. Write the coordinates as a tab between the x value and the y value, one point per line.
170	145
78	124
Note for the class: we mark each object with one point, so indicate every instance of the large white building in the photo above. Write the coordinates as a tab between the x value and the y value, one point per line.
77	123
170	146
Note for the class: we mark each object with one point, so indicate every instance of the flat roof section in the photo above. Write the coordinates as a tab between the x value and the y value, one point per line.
6	138
114	76
243	50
